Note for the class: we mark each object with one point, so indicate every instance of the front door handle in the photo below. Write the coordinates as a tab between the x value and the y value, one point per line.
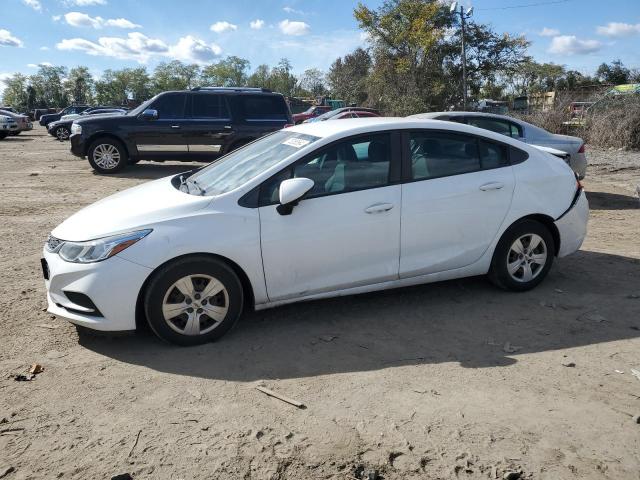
175	126
491	186
379	208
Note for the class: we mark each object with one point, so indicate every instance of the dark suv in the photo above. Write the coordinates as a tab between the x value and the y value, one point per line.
199	124
46	119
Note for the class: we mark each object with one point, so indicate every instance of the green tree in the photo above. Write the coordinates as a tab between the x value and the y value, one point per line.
49	88
260	77
282	80
313	81
348	76
175	75
15	93
230	72
115	87
615	73
79	85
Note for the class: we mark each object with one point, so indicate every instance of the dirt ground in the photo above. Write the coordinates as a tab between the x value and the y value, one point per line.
449	380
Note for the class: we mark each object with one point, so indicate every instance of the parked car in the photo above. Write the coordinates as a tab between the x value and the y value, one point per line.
346	112
7	126
523	131
317	210
24	124
311	112
62	128
199	124
46	119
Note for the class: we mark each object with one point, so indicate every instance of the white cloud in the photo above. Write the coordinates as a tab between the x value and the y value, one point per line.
139	47
41	64
84	3
571	45
56	18
8	40
256	24
549	32
44	49
319	50
618	29
35	4
294	28
293	10
78	19
220	27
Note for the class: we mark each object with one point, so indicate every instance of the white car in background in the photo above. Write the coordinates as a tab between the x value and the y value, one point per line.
317	210
7	126
571	149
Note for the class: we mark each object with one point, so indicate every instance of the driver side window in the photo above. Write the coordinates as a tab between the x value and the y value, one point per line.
170	106
347	166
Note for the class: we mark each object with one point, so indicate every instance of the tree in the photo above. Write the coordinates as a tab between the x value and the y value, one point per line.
230	72
347	76
49	88
15	93
614	74
115	87
532	77
313	81
260	78
282	80
175	75
79	85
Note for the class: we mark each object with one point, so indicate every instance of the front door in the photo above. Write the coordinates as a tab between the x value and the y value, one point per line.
345	232
459	193
209	127
164	137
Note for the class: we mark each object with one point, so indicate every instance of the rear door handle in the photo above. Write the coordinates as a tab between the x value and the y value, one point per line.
175	126
379	208
491	186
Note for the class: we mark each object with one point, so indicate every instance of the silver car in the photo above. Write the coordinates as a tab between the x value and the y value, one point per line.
7	126
512	127
24	124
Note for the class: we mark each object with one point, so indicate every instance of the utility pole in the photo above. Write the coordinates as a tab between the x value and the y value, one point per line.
463	17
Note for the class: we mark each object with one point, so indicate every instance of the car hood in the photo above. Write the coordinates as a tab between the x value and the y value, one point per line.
71	116
132	209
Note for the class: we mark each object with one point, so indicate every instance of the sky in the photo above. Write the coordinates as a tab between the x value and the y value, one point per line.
103	34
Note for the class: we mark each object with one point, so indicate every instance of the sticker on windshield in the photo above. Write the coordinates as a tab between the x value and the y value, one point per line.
296	142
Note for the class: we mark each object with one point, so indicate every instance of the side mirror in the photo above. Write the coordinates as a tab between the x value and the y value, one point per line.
291	191
149	115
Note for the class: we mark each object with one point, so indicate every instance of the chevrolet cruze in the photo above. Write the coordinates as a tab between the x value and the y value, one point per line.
313	211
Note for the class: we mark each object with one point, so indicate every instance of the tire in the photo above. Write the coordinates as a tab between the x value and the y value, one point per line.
62	133
186	321
107	155
528	268
133	161
3	135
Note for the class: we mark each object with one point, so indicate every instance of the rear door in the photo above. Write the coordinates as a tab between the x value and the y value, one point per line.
458	192
260	114
209	126
164	137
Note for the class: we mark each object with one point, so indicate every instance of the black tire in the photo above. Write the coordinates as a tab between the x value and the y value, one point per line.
3	135
194	268
62	133
133	161
504	255
100	147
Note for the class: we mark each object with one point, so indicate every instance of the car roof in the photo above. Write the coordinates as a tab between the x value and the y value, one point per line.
355	126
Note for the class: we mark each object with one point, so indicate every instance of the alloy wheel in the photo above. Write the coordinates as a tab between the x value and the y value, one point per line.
195	304
527	257
62	133
106	156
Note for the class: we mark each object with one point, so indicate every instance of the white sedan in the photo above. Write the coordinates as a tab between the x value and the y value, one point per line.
317	210
571	149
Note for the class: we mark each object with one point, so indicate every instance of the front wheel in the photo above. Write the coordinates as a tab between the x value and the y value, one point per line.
193	300
107	155
62	133
523	256
3	135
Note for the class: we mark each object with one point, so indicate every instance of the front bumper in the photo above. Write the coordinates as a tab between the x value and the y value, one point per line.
112	285
77	145
572	225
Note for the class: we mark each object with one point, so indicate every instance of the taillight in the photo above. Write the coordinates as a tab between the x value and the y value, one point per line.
578	183
581	150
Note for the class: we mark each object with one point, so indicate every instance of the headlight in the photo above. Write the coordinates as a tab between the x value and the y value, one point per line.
94	250
76	129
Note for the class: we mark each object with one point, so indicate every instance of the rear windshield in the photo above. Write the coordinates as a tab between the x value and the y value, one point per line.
263	107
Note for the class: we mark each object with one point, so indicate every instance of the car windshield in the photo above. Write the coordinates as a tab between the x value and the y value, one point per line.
239	167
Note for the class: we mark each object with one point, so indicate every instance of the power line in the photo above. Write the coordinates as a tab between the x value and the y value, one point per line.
539	4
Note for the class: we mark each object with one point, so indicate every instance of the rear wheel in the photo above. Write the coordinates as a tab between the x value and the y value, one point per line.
193	301
62	133
107	155
523	256
3	135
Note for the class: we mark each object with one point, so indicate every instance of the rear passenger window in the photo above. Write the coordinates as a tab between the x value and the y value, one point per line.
263	107
493	155
440	154
209	106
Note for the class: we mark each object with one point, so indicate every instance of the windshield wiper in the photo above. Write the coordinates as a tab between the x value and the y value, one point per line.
189	182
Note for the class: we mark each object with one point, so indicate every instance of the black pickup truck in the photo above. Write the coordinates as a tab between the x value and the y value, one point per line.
198	124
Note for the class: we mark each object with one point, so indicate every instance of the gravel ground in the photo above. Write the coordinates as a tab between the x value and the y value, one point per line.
449	380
